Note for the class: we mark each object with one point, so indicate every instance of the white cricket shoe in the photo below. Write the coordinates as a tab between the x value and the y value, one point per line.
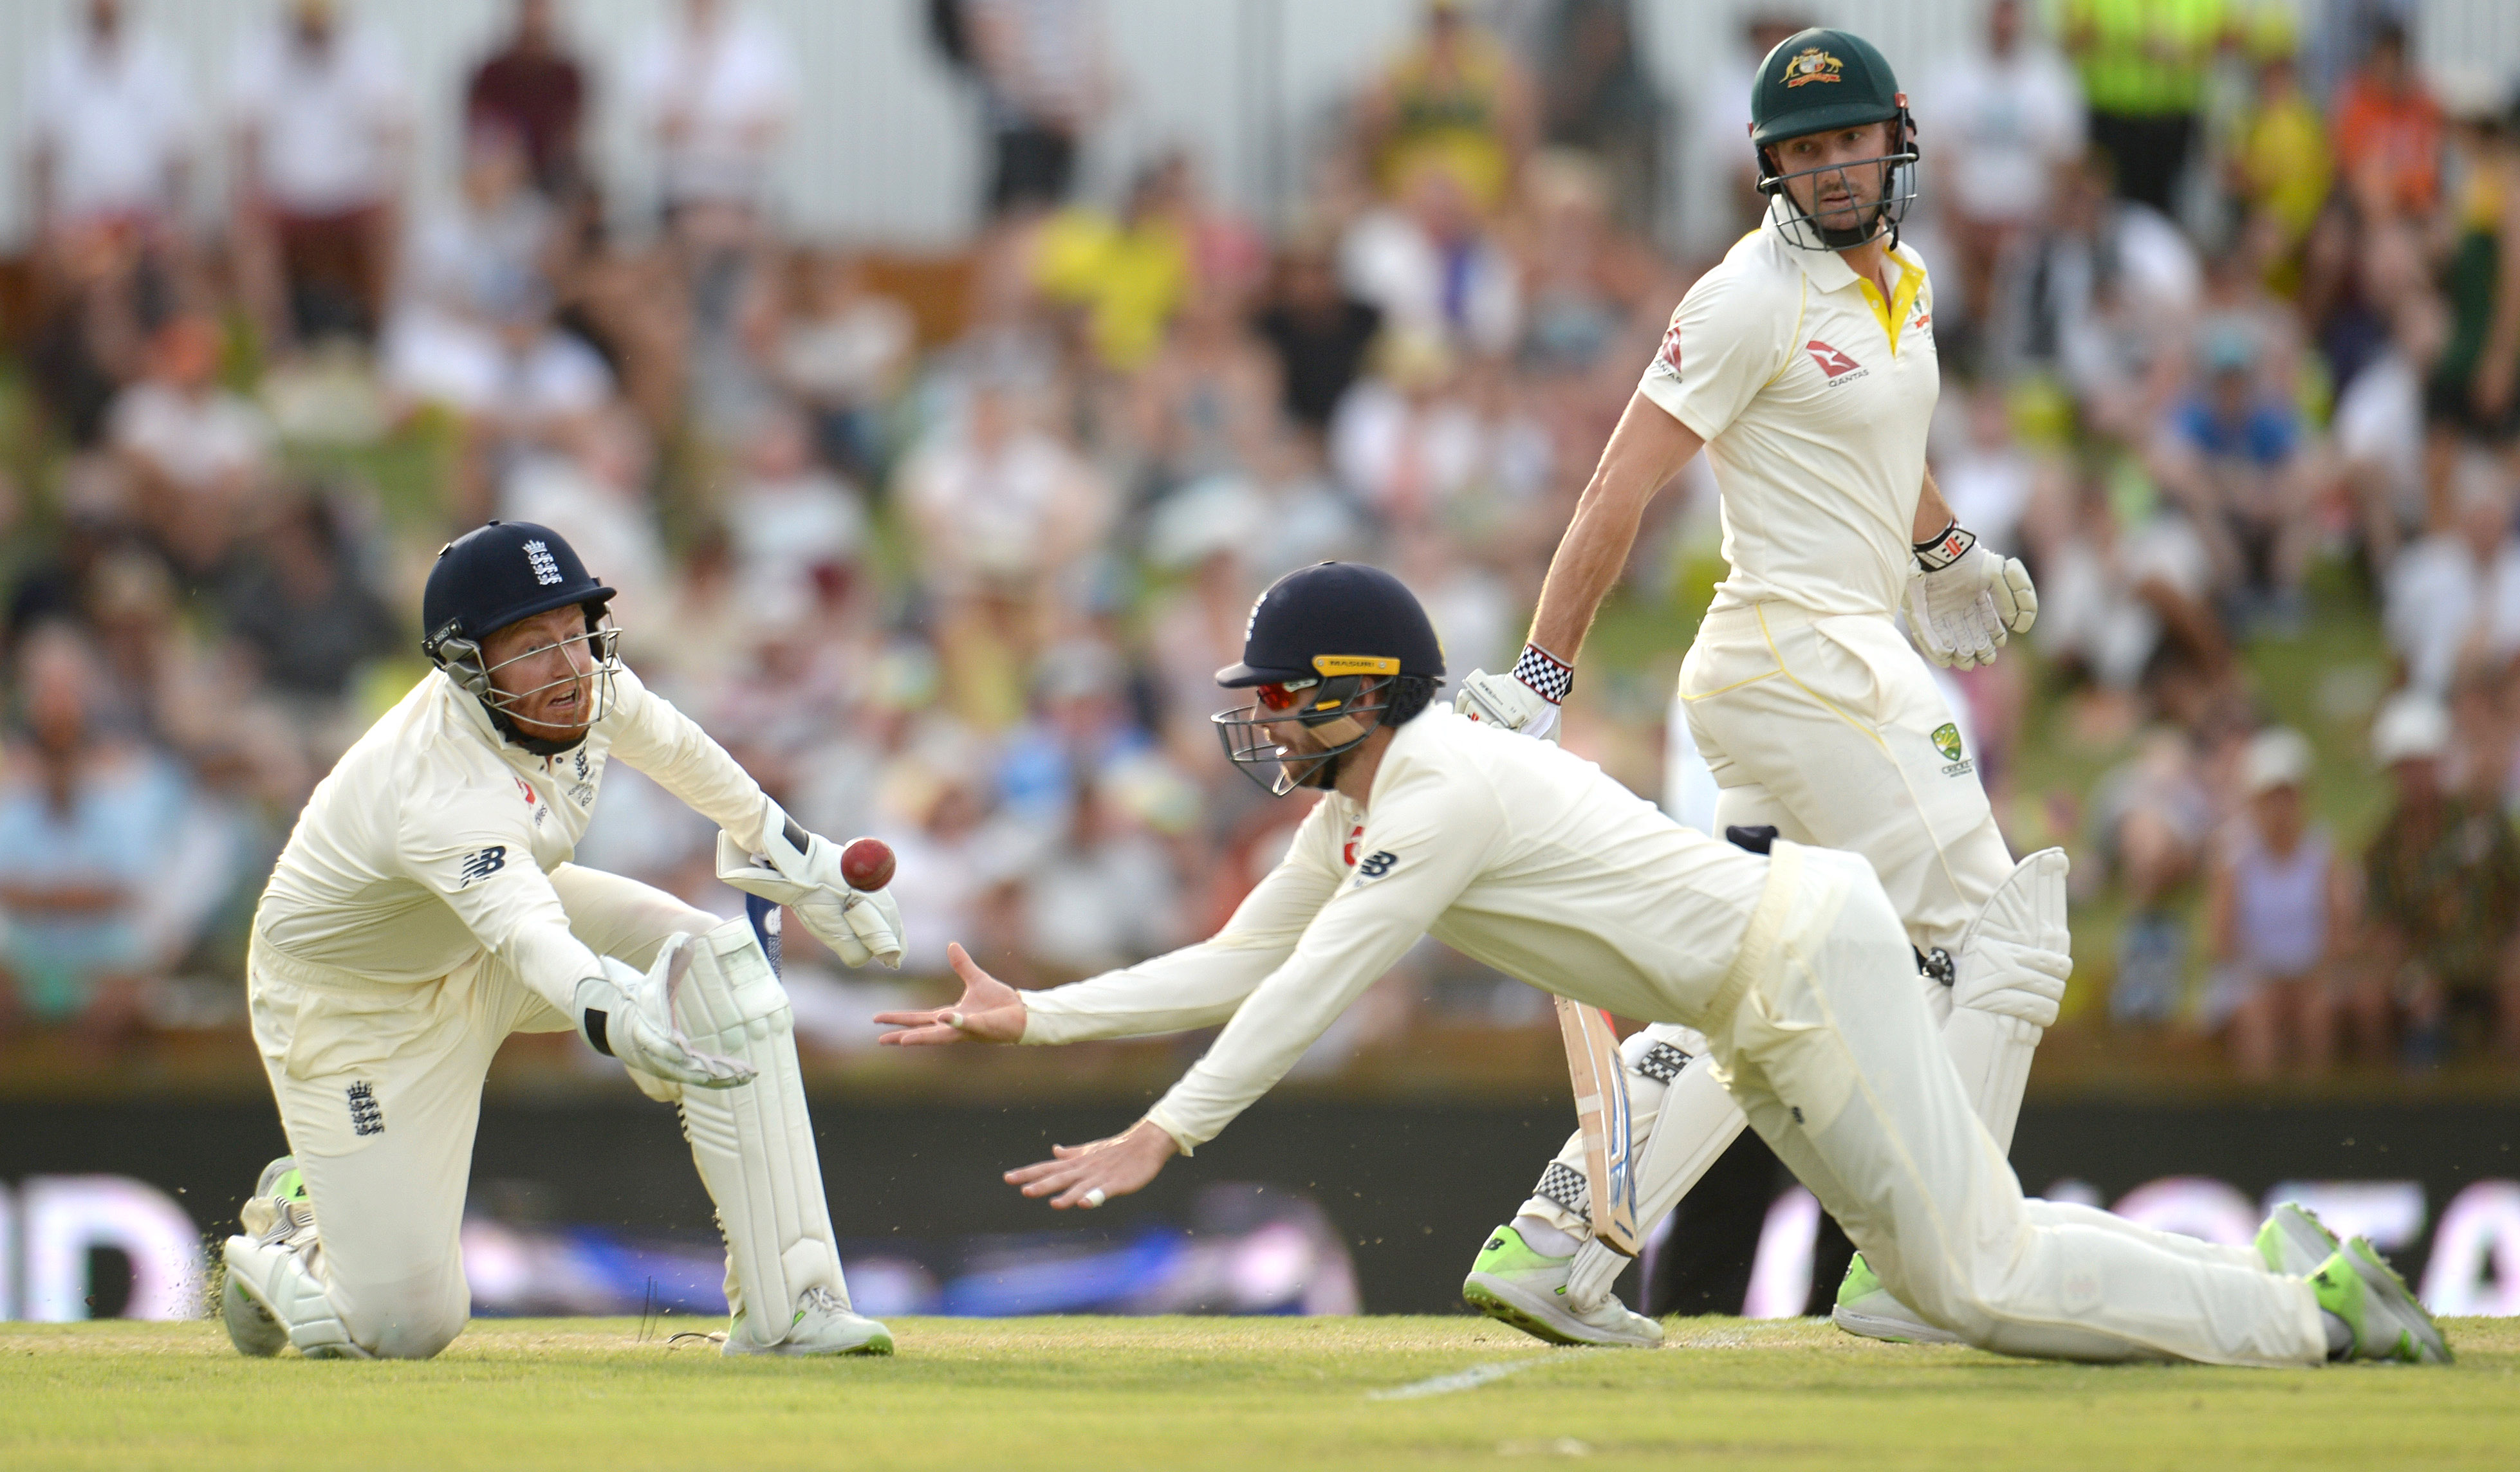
1866	1307
1517	1285
823	1325
268	1217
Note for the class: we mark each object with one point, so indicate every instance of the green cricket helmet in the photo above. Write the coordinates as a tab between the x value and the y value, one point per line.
1821	79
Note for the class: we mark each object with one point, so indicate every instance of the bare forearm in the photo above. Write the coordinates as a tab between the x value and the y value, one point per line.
1646	450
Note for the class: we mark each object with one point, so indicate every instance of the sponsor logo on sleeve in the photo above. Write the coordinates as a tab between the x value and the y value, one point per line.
1947	741
482	863
1667	359
1349	852
1376	865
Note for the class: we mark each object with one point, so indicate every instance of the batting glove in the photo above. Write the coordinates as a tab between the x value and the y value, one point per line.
1965	602
802	871
631	1017
1524	701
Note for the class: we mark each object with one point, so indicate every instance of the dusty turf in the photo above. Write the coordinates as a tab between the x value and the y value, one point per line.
1284	1394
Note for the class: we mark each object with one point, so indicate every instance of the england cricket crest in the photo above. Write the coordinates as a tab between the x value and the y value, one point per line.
1600	1077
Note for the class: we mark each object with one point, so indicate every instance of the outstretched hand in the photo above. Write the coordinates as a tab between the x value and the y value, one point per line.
1090	1175
990	1011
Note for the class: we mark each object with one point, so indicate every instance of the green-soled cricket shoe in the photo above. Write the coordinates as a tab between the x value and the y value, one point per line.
2294	1242
823	1323
2357	1285
1513	1284
1866	1307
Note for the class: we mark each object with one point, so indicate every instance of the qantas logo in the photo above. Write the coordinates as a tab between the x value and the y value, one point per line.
1831	362
1667	360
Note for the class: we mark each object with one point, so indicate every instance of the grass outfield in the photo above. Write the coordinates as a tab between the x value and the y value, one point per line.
1284	1394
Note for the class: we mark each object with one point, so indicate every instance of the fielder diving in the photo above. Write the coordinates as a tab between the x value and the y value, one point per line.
425	907
1792	964
1804	363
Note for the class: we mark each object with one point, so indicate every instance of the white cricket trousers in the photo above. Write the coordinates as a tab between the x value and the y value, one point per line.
1826	728
1830	1049
380	1089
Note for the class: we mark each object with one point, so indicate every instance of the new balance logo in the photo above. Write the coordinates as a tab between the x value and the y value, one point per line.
1377	865
482	865
538	556
366	1116
1831	362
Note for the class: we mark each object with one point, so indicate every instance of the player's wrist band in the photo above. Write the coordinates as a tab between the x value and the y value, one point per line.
1944	548
1544	673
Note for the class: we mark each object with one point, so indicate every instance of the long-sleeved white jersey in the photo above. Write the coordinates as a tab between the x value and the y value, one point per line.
431	840
1510	850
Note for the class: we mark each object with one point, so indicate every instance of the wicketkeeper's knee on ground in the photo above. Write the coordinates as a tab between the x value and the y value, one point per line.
412	1321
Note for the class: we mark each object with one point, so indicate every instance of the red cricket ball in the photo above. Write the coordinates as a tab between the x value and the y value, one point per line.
867	864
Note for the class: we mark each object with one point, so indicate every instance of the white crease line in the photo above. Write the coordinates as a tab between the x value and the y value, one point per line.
1467	1380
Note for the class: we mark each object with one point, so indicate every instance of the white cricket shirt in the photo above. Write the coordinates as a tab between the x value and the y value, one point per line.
1812	394
432	839
1511	851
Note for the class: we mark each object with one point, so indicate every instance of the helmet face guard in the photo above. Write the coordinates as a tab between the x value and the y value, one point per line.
462	659
1324	704
1845	228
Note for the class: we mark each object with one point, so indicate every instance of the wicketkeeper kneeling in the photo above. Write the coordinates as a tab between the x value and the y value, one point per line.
425	908
1792	964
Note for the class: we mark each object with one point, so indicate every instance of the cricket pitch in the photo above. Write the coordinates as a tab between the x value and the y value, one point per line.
1282	1394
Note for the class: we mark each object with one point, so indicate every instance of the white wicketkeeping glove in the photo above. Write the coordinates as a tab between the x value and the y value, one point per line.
802	871
631	1017
1966	601
1525	700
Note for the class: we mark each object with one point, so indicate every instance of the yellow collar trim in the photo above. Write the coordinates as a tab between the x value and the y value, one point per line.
1890	314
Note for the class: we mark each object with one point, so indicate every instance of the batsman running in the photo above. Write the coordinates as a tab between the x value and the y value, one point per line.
1804	364
1791	963
425	907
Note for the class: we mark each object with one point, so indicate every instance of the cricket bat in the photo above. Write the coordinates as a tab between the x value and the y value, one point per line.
1602	1109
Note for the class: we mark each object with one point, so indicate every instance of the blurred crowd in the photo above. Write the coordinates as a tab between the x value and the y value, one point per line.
948	549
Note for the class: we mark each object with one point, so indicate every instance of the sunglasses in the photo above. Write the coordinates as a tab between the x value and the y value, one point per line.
1283	695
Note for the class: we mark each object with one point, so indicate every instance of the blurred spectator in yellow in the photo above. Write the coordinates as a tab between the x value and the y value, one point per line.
2453	599
1599	95
2278	913
1454	97
2006	121
1127	276
2143	65
1000	510
2443	875
196	452
1044	81
2475	378
2389	131
1319	330
112	130
83	818
533	88
2280	168
323	126
714	87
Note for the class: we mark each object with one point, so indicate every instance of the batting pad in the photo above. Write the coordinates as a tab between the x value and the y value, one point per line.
755	1143
1694	1124
2007	982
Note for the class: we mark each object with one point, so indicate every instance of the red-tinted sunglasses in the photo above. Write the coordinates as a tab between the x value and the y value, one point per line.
1281	696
